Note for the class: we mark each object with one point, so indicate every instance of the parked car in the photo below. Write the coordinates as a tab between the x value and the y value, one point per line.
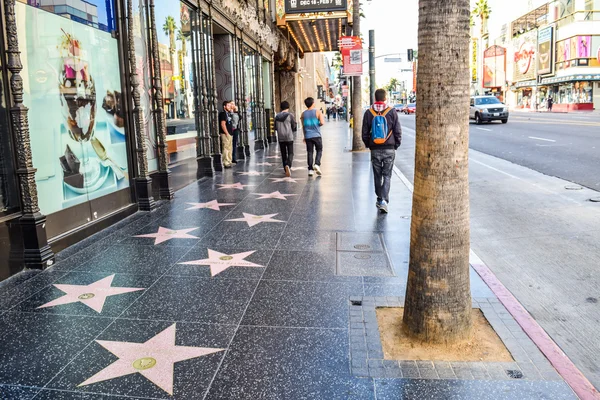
487	109
410	108
398	107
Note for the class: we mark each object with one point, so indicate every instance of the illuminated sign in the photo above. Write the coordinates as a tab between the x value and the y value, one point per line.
308	6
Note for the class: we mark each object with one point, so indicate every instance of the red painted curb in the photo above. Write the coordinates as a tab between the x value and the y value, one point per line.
563	365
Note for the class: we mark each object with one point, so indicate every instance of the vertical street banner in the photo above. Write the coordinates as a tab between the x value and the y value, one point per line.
351	49
545	61
494	67
474	60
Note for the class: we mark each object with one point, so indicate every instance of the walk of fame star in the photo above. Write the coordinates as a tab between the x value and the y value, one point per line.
165	234
153	359
274	195
273	157
251	173
219	262
268	164
252	219
289	180
298	168
212	205
93	295
237	186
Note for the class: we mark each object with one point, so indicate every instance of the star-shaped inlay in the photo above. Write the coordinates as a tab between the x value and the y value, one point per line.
213	205
289	180
274	195
268	164
237	186
298	168
93	295
219	262
154	359
252	219
273	158
251	173
165	234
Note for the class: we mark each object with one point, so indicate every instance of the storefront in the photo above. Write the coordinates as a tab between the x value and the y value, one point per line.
575	92
112	112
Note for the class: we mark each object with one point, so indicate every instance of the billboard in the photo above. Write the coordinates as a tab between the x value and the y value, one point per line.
308	6
474	60
351	48
544	59
524	48
494	67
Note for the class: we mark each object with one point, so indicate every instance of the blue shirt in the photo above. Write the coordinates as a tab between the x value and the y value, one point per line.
311	124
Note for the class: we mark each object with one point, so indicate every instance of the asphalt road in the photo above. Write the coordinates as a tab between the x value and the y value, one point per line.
540	239
566	146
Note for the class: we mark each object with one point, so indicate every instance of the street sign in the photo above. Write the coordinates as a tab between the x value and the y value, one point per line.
309	6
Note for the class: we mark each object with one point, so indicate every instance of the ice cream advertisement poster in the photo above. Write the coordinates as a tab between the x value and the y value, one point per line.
72	88
544	60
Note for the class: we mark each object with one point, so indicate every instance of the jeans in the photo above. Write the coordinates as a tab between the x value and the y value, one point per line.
311	144
227	143
383	163
287	153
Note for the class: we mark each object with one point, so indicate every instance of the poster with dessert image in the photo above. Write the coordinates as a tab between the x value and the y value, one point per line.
544	61
72	88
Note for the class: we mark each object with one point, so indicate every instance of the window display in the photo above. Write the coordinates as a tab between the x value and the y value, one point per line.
72	86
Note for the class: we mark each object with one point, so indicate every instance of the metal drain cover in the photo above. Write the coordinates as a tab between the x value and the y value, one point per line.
574	187
362	256
362	247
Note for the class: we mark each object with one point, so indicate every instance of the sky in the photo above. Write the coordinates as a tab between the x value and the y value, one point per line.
396	26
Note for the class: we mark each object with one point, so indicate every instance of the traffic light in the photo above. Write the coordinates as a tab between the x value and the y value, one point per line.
410	54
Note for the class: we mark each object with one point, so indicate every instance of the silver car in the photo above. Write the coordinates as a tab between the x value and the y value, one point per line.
488	108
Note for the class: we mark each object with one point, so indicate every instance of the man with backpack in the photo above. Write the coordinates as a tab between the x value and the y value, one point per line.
382	134
286	127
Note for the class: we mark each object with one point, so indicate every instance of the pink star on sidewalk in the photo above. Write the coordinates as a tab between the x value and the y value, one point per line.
274	195
298	168
273	157
165	234
93	295
213	205
154	359
219	262
237	186
251	173
252	219
288	180
268	164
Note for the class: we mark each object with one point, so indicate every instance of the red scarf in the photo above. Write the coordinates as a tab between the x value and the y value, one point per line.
380	106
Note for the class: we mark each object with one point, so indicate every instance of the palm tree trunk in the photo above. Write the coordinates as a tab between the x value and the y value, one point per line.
357	143
438	298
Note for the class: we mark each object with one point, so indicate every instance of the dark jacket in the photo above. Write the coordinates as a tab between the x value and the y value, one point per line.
286	126
393	122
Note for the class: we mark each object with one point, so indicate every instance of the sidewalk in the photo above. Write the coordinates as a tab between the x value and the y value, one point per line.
254	287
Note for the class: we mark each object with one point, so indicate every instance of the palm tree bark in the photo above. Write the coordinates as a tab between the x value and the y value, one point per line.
357	143
438	298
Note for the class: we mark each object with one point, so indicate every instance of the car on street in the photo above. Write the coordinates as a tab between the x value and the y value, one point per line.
488	109
410	108
398	107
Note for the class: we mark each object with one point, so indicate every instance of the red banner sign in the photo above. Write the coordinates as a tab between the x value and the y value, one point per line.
351	48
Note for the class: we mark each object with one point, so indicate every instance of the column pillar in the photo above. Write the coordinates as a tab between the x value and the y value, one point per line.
259	143
143	182
203	158
213	99
37	254
237	76
244	96
165	191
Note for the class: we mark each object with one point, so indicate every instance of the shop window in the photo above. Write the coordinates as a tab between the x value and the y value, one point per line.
9	200
178	70
72	86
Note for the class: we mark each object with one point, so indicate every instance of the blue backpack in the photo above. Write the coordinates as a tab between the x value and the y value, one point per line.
379	127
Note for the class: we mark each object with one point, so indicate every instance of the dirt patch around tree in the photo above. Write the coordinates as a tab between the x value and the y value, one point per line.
485	344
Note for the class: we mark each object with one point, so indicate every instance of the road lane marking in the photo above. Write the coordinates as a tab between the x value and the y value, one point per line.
484	129
539	138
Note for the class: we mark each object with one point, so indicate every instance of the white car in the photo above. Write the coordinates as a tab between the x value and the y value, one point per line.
487	109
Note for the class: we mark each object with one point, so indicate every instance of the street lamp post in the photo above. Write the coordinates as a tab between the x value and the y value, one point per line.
372	65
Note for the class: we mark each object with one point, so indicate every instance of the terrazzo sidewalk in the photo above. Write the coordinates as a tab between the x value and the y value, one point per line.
246	286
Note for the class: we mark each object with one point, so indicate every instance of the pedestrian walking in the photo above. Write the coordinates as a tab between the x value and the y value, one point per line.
286	127
549	104
312	120
382	134
226	129
235	125
328	113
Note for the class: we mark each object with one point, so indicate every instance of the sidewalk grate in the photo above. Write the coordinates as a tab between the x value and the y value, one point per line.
362	254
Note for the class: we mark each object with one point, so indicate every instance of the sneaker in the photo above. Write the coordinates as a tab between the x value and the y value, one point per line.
287	171
318	170
378	204
310	172
383	207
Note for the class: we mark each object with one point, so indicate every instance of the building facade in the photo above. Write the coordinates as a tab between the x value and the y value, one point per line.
109	106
